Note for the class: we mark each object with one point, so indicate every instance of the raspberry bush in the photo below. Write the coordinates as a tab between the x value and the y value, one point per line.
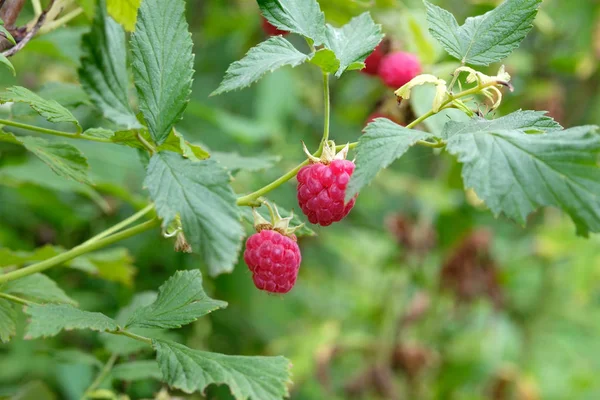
133	129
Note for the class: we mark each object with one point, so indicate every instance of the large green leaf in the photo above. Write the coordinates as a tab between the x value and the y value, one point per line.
256	378
49	320
38	288
124	12
103	72
382	143
515	173
49	109
353	42
162	64
181	300
64	159
199	192
267	56
8	324
487	38
303	17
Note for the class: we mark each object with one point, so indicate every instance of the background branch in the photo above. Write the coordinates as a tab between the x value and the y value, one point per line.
30	34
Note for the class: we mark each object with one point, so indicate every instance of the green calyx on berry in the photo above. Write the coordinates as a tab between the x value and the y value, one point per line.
277	223
329	153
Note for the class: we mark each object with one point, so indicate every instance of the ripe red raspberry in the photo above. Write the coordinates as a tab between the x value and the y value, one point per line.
374	60
274	260
397	69
271	30
321	191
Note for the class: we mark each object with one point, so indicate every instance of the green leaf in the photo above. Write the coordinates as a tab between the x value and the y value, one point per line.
103	72
264	378
199	192
8	317
89	7
181	300
527	121
382	143
326	60
353	42
162	64
65	160
487	38
268	56
177	144
49	320
6	61
303	17
9	138
49	109
124	12
73	356
38	288
6	33
516	173
10	258
136	371
296	220
235	162
114	265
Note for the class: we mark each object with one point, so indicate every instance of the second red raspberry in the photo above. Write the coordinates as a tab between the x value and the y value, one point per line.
322	189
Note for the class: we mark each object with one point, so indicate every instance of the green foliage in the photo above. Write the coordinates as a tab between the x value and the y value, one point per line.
382	144
37	288
262	378
8	64
270	55
200	194
8	316
303	17
124	12
103	72
162	64
487	38
326	60
181	300
49	109
136	371
49	320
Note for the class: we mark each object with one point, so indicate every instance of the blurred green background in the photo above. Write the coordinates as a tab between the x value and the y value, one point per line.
419	294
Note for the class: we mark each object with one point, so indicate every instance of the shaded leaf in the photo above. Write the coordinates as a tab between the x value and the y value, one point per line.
8	317
136	371
113	265
181	300
264	378
38	288
162	64
199	192
268	56
235	162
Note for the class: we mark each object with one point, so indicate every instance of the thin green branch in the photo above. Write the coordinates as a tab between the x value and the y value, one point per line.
61	21
327	106
132	335
78	251
17	300
126	222
151	149
101	376
52	131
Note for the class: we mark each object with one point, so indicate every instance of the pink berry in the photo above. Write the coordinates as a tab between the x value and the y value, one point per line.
397	69
322	189
274	260
271	30
374	60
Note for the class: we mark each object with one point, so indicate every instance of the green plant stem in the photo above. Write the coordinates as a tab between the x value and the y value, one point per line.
52	131
151	149
101	376
16	299
121	225
61	21
37	7
78	251
327	114
132	335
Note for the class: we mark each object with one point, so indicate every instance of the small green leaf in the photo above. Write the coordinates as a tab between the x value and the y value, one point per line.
73	356
6	61
303	17
199	192
268	56
114	265
235	162
353	42
10	258
136	371
177	144
65	160
6	33
8	137
49	109
38	288
487	38
515	173
181	300
326	60
49	320
383	143
103	72
162	64
99	133
124	12
264	378
8	320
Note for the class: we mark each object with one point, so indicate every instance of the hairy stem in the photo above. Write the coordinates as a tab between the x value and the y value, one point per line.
121	225
101	376
53	132
78	251
132	335
151	149
327	114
